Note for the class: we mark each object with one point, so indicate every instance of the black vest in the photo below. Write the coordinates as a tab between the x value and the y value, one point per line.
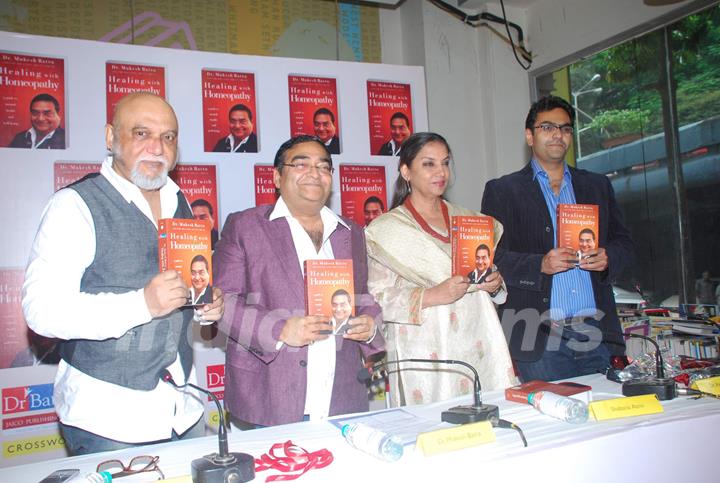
126	258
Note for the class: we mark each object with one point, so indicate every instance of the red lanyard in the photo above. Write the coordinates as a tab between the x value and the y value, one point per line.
295	459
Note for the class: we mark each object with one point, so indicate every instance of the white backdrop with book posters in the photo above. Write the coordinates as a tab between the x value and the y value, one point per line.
29	427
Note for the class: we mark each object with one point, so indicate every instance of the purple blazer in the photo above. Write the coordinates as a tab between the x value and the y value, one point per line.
256	266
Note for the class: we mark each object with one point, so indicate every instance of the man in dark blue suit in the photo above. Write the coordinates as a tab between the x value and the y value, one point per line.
560	315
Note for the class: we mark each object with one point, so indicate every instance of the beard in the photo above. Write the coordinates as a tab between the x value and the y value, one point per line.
143	181
149	183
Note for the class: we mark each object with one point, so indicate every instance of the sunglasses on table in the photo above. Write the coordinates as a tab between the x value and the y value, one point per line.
139	464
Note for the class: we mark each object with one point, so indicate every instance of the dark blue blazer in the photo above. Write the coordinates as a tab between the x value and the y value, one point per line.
517	202
334	146
223	145
23	140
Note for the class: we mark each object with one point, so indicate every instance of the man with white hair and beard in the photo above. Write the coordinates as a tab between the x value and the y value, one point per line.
93	282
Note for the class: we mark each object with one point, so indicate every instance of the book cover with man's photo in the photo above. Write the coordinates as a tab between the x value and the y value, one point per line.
22	79
330	290
363	192
19	346
185	246
578	227
66	172
122	79
198	182
265	192
386	99
221	91
314	109
472	245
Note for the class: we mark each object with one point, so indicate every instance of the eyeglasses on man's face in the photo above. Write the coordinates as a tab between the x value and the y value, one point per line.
303	167
551	128
139	464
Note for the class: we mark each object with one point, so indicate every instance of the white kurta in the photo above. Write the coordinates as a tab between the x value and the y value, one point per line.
404	261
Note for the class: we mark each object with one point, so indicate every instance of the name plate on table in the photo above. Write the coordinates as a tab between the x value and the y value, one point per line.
459	437
625	407
711	385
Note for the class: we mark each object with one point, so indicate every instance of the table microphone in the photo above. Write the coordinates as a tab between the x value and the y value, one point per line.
222	466
455	415
663	387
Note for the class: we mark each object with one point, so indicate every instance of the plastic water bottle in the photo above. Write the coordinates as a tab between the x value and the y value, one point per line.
102	477
373	441
564	408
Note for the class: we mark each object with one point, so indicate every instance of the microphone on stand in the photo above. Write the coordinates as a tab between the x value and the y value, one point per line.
222	466
663	387
456	415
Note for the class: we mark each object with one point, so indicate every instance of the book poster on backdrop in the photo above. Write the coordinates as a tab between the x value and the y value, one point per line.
67	172
389	116
363	192
19	346
198	182
265	192
32	102
230	117
314	109
123	79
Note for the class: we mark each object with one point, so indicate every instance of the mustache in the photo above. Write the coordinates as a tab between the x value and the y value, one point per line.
159	159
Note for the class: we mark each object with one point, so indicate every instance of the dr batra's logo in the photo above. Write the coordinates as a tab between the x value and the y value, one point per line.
27	398
215	376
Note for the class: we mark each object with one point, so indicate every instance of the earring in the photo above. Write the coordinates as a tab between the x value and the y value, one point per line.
407	183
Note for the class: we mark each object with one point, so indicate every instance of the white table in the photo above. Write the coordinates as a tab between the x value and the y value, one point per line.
679	444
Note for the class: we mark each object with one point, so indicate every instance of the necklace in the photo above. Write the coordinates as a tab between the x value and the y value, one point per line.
425	226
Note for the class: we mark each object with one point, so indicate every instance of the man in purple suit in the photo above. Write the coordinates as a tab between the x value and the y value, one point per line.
283	366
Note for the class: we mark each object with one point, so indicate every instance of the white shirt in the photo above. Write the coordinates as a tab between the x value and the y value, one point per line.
231	140
34	137
54	306
321	354
395	151
193	298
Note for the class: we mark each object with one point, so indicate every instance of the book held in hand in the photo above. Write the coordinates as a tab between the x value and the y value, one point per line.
577	228
472	243
330	291
185	246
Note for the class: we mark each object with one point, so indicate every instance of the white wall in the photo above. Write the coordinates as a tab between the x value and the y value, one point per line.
478	96
464	68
